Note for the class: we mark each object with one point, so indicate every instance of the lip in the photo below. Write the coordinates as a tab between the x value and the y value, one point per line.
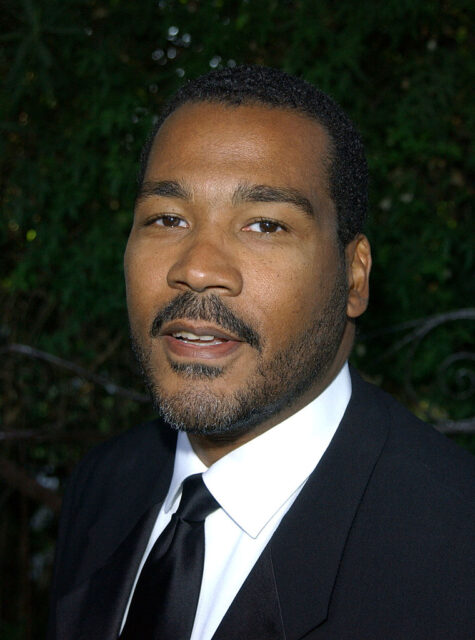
225	345
198	329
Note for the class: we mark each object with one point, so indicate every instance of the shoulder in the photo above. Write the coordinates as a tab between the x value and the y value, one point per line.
114	467
133	448
415	524
110	488
418	465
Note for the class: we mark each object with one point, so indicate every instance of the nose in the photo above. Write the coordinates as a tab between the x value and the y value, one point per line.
206	265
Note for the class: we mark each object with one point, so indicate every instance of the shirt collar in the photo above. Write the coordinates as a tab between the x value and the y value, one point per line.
253	482
186	464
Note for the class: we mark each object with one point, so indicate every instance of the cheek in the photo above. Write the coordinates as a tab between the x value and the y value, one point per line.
144	281
284	298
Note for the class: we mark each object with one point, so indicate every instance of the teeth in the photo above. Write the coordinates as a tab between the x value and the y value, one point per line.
187	335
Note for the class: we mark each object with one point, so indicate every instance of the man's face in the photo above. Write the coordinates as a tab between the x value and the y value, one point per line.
236	288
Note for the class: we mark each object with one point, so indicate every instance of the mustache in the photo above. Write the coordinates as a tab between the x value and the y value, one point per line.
192	306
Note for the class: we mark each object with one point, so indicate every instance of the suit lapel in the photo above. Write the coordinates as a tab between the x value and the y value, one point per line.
93	609
255	611
104	596
293	580
308	546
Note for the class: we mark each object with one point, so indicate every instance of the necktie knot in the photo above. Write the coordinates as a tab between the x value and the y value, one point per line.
196	501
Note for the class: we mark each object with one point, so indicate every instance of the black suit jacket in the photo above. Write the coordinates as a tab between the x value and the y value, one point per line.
378	545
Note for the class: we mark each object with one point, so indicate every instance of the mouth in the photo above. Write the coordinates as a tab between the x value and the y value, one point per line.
198	341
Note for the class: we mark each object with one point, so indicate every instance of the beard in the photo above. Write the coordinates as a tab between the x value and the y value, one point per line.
276	383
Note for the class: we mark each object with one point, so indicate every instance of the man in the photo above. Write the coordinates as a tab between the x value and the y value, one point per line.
333	513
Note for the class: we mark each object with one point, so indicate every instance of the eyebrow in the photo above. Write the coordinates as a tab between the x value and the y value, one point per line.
164	188
266	193
243	193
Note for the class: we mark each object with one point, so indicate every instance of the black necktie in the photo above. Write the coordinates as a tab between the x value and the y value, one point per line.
166	595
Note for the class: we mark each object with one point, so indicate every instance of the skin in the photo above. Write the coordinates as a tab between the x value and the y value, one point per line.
272	263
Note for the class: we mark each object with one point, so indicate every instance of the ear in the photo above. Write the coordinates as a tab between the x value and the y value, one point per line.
358	260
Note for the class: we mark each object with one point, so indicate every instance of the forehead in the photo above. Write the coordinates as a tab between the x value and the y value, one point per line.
271	145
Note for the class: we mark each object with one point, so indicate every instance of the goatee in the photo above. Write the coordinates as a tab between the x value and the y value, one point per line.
277	382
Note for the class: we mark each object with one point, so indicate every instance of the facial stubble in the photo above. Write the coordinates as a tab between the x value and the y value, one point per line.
277	383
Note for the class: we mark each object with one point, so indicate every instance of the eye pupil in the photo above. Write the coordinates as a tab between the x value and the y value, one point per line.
267	226
170	221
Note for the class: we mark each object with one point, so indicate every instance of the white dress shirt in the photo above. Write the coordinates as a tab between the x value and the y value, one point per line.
255	486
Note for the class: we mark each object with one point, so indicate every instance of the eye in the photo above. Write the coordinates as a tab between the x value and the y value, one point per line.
168	221
264	226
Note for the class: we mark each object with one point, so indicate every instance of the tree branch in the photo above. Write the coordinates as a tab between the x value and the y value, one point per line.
108	385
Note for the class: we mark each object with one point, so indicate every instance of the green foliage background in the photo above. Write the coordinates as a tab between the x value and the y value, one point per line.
82	83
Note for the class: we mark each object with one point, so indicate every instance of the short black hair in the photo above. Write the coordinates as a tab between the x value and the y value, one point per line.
250	84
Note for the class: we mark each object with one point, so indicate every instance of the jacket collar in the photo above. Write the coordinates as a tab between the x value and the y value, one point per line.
309	543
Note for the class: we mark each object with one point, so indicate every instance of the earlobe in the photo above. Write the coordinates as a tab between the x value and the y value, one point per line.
358	260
